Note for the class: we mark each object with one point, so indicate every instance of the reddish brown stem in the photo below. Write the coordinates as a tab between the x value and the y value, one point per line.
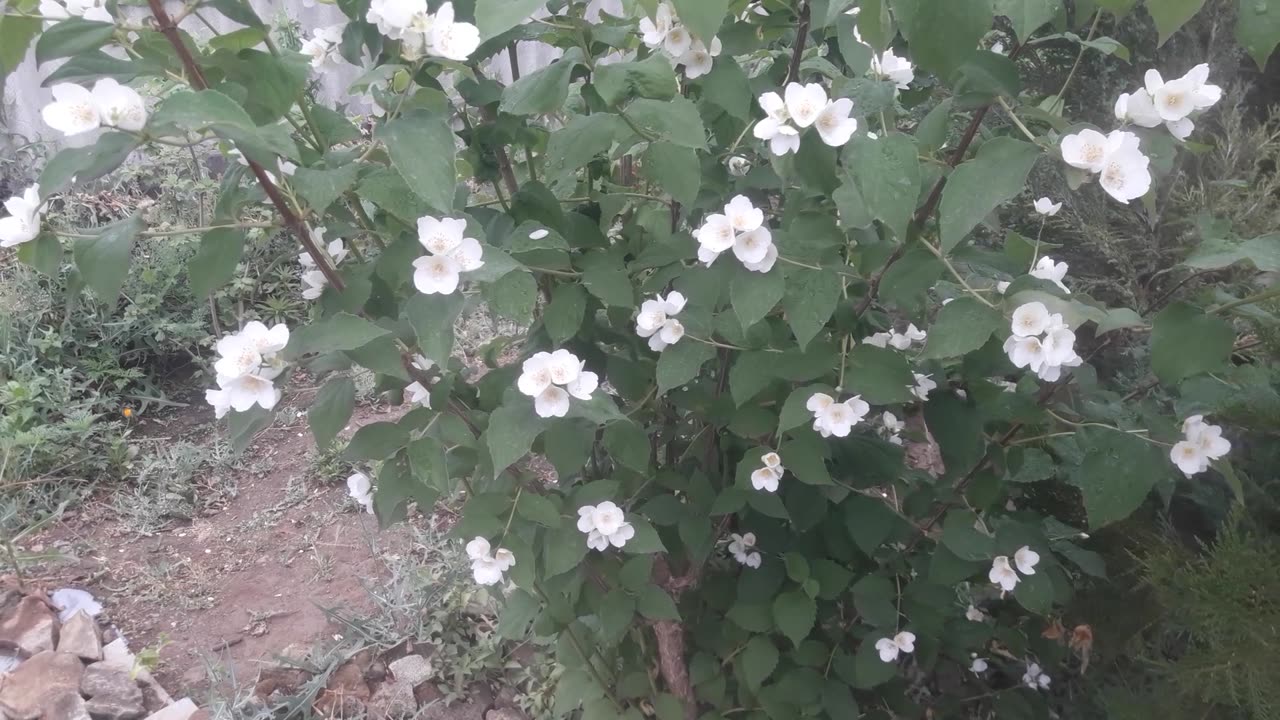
802	35
675	672
291	220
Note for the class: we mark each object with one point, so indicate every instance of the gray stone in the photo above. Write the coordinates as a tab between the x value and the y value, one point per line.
505	713
113	695
412	670
30	626
393	699
180	710
110	707
67	706
79	636
38	681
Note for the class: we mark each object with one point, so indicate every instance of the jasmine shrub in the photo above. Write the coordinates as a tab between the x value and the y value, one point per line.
792	395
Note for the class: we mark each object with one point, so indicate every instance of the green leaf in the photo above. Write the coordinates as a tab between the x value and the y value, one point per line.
628	444
338	332
103	259
880	375
975	188
421	147
273	81
16	34
542	91
429	462
1035	593
580	141
963	325
1258	29
244	426
868	669
495	17
676	121
754	294
962	537
646	540
212	111
794	411
1185	341
681	363
564	313
610	284
388	190
615	612
512	430
758	660
942	32
654	603
1027	16
86	164
1169	15
376	441
72	36
983	75
811	298
539	509
331	409
794	612
1117	473
513	296
237	40
887	172
563	550
214	263
44	254
726	87
432	318
321	187
652	77
702	17
673	168
1217	253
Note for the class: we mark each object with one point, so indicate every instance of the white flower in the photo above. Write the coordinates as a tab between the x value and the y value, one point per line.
740	548
1047	207
834	124
323	47
677	42
1002	286
245	391
487	568
836	418
973	614
891	428
1202	443
119	105
805	103
1054	272
880	339
586	382
738	166
544	372
23	223
669	334
1026	559
752	247
450	253
248	362
73	110
903	642
564	367
1025	352
1030	319
1059	345
998	48
1189	457
904	340
766	478
654	31
892	67
536	374
1138	108
742	215
360	489
1086	150
765	264
313	284
421	362
1035	678
439	236
220	400
924	385
88	9
1173	100
552	402
1002	574
605	525
716	233
418	394
394	17
1126	173
436	274
449	39
698	60
776	127
655	320
978	665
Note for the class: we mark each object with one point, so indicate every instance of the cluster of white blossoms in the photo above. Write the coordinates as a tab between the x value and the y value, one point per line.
449	253
1035	678
76	109
421	33
1055	272
1123	171
95	10
551	377
605	525
897	340
766	477
1201	444
891	67
486	566
1002	573
248	361
665	33
314	281
657	321
891	428
417	393
836	418
323	47
740	228
924	385
800	107
1041	341
740	547
903	642
1169	103
1047	207
25	214
360	489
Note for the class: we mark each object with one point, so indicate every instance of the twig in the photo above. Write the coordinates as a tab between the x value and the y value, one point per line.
802	35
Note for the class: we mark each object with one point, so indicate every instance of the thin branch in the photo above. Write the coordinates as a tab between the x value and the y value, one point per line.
802	35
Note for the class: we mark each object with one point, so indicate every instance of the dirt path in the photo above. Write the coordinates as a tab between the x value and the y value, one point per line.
238	585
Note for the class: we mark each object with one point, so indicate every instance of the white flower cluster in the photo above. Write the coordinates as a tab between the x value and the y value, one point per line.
1035	678
248	362
95	10
323	47
360	489
1169	103
1047	207
897	340
1201	444
740	547
664	32
766	478
1055	272
1002	573
891	428
76	110
487	567
1041	341
314	281
836	418
449	253
550	378
418	393
657	321
25	214
803	106
740	228
421	33
605	525
924	385
1124	172
903	642
891	67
